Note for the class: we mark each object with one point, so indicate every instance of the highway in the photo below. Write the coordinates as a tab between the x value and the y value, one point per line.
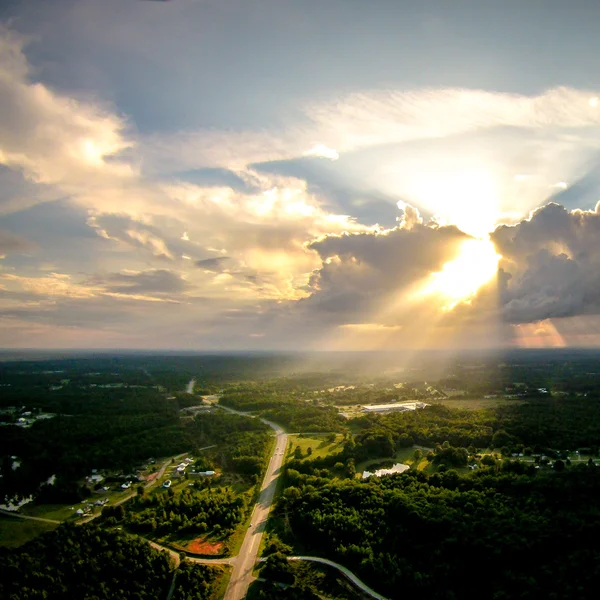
241	576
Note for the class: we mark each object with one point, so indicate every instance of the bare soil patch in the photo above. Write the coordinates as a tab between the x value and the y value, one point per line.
202	546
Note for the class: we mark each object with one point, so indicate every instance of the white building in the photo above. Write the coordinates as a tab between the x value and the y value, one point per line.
395	407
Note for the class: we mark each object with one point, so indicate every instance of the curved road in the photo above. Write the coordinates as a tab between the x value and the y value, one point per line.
346	572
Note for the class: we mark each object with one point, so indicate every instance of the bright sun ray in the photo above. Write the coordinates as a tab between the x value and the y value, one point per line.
460	279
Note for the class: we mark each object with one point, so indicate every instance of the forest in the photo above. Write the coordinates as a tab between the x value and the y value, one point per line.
84	562
494	493
91	563
193	511
436	535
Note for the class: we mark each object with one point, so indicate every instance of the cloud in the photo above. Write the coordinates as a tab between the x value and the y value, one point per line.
362	273
52	138
550	265
323	151
377	118
245	245
125	229
213	264
151	282
48	286
13	244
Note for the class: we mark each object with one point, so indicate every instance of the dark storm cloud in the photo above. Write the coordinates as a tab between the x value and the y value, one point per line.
551	264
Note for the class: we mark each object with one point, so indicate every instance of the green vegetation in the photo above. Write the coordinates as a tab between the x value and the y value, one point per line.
297	412
427	534
503	487
191	512
84	562
299	579
16	532
196	582
316	446
242	443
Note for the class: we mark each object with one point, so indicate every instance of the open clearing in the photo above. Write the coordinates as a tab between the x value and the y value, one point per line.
319	443
58	512
16	532
404	455
202	546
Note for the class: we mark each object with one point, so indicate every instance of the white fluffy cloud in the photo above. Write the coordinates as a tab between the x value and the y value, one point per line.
551	264
53	138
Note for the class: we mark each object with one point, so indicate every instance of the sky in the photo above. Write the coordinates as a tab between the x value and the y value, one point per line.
299	174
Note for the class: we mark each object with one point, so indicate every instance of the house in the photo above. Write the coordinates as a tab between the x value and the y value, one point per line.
79	511
126	486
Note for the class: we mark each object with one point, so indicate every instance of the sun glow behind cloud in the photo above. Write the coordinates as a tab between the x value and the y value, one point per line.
468	199
460	279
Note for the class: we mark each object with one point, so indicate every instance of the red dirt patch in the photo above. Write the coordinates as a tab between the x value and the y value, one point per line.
201	546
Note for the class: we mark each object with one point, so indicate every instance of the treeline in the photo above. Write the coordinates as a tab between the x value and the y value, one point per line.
564	423
437	536
84	563
242	443
195	582
284	402
192	511
306	418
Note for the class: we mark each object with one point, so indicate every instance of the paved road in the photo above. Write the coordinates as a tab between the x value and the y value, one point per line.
9	513
241	576
346	572
172	588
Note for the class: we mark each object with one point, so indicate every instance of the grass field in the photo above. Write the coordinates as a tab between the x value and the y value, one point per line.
57	512
319	443
15	532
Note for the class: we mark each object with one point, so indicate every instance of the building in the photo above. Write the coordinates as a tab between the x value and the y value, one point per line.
393	407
